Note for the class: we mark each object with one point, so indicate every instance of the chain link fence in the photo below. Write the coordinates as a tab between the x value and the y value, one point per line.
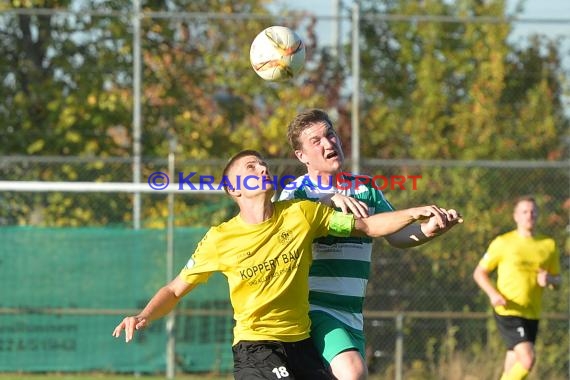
423	313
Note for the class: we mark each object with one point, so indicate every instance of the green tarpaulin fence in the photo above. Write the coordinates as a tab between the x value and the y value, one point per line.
63	290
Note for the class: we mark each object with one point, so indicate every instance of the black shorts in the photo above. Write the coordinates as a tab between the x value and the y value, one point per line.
279	360
515	330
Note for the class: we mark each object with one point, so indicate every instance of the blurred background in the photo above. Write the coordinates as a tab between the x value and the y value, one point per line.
97	95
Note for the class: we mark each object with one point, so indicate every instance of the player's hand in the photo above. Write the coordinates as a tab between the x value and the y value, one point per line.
432	213
433	227
497	299
129	324
542	278
347	204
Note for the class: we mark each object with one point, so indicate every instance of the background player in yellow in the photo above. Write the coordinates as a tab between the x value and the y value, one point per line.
526	263
265	253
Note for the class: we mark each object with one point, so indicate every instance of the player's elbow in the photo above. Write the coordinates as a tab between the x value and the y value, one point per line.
178	288
395	242
478	274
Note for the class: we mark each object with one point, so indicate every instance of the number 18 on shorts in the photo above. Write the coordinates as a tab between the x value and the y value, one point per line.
271	360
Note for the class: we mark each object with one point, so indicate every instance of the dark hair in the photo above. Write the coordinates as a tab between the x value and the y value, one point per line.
232	160
303	121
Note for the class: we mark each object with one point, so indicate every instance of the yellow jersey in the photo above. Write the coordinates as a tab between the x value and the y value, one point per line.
517	260
267	267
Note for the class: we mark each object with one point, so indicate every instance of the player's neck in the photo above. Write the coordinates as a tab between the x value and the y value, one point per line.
256	210
525	232
324	179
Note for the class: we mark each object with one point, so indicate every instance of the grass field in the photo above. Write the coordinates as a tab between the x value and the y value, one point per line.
104	376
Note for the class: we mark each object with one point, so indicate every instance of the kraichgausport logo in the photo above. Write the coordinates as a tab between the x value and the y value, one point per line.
341	181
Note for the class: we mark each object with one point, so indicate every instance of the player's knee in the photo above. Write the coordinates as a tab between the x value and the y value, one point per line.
350	368
350	374
527	359
359	371
351	371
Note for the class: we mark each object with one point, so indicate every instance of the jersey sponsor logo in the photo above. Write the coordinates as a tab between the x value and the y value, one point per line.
274	274
270	265
256	269
284	237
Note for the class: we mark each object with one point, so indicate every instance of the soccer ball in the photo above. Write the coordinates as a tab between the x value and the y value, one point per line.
277	53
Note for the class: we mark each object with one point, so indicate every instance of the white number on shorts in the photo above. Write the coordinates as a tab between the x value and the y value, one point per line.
521	331
280	372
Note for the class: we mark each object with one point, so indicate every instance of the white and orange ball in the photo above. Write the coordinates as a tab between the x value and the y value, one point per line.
277	53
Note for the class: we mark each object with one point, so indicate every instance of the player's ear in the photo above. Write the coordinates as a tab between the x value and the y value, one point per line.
300	156
234	192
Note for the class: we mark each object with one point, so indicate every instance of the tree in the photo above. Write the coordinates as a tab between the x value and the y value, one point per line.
69	92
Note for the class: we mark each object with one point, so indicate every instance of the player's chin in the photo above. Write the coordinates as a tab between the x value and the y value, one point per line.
334	163
267	188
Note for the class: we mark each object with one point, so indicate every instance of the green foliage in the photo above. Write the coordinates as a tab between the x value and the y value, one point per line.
462	91
461	85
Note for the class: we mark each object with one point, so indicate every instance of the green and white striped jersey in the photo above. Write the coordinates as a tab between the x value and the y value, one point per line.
341	266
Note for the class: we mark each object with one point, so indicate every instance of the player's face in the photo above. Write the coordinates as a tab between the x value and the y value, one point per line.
320	149
525	215
250	175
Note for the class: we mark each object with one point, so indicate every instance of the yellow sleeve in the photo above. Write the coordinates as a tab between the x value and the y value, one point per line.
324	220
491	258
554	263
203	262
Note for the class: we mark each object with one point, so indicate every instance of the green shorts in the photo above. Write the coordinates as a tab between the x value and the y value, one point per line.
333	337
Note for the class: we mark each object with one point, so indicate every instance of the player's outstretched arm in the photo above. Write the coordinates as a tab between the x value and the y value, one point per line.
386	223
160	304
417	234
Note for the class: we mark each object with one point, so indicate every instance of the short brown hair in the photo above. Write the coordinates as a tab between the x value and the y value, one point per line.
230	164
524	198
302	121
